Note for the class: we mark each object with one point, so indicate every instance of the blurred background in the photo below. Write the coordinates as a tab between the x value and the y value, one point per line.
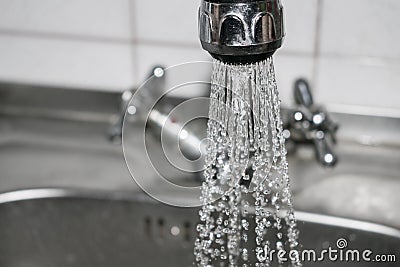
348	49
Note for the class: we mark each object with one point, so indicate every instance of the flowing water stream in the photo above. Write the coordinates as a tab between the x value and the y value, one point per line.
247	215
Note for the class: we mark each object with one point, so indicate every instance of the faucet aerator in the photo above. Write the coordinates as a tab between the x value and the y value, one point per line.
239	31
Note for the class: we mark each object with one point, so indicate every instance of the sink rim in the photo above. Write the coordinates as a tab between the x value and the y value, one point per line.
307	217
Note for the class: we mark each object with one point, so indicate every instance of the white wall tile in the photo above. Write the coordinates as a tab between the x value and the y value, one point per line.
175	21
352	31
66	63
373	83
167	21
300	26
288	69
150	56
361	28
100	18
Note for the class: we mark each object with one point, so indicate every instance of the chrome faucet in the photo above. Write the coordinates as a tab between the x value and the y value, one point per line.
146	97
311	123
247	31
306	123
241	31
191	146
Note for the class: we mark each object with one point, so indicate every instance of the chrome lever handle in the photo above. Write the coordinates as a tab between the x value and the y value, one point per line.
311	123
302	93
115	130
323	150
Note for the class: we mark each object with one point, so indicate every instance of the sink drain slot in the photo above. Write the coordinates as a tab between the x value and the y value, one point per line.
158	228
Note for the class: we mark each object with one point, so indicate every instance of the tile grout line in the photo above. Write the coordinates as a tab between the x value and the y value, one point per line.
133	40
133	44
93	38
317	44
62	36
167	43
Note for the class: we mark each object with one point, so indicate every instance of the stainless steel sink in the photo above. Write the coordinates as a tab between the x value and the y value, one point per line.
112	224
56	153
364	185
58	227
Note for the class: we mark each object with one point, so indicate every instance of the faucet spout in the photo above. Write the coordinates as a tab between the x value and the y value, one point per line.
241	31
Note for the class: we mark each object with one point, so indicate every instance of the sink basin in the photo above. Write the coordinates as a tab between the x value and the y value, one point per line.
364	185
58	227
360	197
46	153
57	139
111	224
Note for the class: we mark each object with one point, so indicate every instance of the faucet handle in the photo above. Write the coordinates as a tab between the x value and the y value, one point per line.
302	93
323	148
311	123
319	117
322	121
157	76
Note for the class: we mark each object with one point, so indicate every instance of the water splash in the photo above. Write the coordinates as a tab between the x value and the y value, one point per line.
247	209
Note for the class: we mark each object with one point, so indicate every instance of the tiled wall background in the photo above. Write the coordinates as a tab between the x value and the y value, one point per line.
348	49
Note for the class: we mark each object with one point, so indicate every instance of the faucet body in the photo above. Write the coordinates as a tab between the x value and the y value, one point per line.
158	120
305	123
247	31
308	123
155	83
240	31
